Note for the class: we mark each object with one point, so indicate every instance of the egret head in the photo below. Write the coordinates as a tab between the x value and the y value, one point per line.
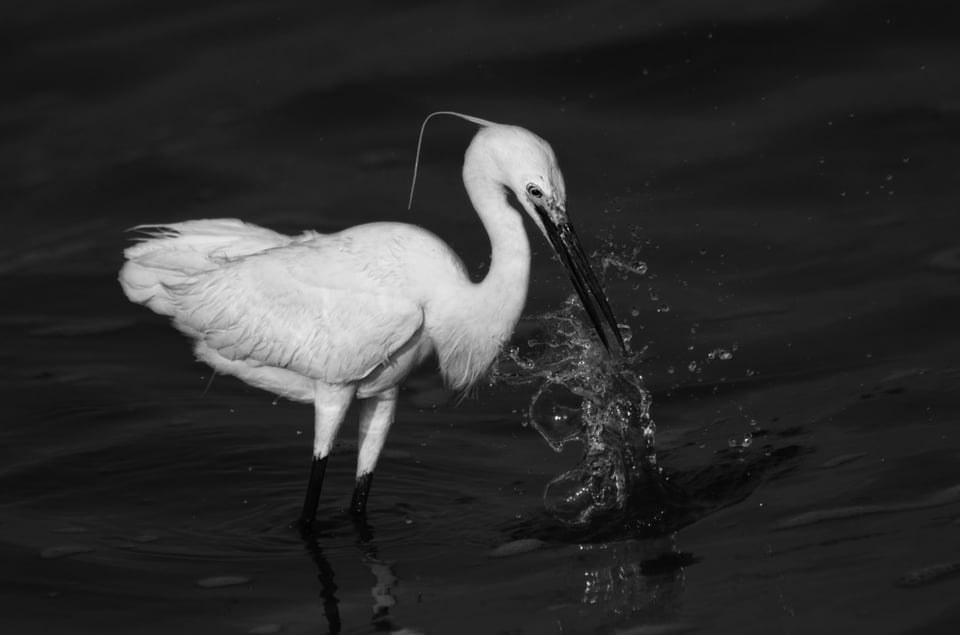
526	164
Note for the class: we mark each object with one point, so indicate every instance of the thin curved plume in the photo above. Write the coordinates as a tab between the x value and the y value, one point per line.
423	127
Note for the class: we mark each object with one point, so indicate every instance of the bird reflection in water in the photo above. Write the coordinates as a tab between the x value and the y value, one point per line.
623	583
626	583
328	588
384	578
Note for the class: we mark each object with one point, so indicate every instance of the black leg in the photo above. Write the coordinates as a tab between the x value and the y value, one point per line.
317	470
358	505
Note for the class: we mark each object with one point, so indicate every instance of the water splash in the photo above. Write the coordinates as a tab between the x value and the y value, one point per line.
586	396
625	267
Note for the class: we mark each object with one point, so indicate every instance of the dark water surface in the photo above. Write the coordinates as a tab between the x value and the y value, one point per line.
786	170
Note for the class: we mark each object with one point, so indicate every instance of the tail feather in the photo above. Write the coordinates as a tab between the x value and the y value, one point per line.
172	254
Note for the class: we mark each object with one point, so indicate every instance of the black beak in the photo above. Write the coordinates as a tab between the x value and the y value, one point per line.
568	247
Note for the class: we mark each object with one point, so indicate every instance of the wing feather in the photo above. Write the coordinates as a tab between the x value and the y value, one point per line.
297	307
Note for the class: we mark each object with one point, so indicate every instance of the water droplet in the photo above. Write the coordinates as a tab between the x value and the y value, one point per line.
740	441
624	268
589	489
556	415
663	308
720	353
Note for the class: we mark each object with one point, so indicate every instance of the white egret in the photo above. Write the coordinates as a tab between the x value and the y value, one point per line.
329	318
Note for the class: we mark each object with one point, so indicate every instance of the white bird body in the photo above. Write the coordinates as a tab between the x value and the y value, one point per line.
327	318
363	306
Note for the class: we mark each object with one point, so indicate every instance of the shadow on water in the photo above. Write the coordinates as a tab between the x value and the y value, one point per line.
668	501
630	564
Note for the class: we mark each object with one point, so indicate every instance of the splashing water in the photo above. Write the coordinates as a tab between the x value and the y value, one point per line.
617	488
585	395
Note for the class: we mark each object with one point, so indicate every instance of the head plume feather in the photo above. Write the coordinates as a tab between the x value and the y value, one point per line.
423	127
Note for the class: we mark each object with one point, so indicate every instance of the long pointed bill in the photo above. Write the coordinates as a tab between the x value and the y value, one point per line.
565	242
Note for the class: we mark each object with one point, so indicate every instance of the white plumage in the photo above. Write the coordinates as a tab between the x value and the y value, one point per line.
326	318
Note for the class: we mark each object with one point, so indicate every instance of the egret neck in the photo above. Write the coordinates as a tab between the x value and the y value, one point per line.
501	295
486	312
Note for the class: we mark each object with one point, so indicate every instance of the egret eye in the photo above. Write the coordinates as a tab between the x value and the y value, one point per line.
534	191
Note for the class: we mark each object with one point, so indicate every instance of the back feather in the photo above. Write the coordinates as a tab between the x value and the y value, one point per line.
172	254
251	297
